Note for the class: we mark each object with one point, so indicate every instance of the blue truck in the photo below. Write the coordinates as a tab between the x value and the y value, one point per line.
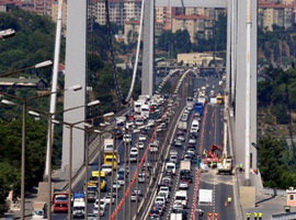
198	108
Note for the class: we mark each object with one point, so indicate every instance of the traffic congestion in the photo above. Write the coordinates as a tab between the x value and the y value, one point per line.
147	163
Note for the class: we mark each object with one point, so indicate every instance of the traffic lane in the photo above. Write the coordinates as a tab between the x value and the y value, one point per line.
181	151
223	190
151	159
207	208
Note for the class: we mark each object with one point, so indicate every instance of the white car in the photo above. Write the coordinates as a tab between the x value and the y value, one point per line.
160	200
151	123
163	194
177	205
129	125
127	138
141	177
107	168
173	158
107	199
102	204
116	185
134	150
183	185
141	145
142	137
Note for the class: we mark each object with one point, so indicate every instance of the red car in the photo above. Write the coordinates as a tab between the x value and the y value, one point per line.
60	202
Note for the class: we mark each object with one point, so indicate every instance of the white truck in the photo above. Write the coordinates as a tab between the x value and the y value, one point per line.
185	165
108	144
225	166
176	216
182	125
78	208
205	197
181	197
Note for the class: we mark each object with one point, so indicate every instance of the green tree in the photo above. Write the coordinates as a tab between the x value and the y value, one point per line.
182	43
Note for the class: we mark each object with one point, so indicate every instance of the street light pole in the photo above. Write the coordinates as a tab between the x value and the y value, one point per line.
86	172
49	168
70	171
23	168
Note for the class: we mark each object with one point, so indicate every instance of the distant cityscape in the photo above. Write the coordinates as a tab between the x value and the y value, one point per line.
126	13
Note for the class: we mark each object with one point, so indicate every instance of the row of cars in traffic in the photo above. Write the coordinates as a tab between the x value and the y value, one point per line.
175	183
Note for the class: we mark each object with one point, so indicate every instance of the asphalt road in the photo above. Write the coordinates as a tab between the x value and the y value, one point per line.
222	185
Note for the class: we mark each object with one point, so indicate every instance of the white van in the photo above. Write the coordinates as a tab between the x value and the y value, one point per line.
78	208
181	197
194	127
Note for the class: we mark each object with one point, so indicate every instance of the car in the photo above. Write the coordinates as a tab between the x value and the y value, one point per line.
96	212
186	177
164	195
134	197
141	177
165	190
107	199
142	137
178	143
181	138
116	185
141	145
166	181
187	157
103	204
151	123
190	151
120	179
134	150
93	216
129	125
173	158
183	185
173	152
127	138
107	168
192	141
178	205
121	171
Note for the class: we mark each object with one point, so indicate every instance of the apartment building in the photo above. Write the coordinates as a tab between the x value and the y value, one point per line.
194	24
269	14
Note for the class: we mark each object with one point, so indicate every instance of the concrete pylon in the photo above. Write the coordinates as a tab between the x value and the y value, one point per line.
75	74
148	49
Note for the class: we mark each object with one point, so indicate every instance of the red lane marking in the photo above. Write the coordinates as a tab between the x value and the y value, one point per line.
128	190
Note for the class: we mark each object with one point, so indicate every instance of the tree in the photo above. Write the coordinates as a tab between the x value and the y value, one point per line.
182	43
166	40
271	160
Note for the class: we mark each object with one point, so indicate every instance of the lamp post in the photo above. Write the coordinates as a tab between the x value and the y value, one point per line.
36	66
24	102
50	122
71	125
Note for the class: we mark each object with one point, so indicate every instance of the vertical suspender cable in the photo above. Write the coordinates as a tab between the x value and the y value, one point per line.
110	44
137	53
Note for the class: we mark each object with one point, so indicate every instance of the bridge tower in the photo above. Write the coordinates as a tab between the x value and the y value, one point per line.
75	74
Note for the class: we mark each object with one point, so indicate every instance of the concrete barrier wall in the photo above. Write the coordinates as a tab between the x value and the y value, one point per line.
274	192
284	216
